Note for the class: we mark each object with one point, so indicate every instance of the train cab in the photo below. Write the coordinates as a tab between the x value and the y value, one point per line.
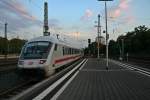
47	53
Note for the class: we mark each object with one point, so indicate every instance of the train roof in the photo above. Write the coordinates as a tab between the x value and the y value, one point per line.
70	42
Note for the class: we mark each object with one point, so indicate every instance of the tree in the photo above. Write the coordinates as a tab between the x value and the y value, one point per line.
113	48
15	45
3	45
136	42
11	46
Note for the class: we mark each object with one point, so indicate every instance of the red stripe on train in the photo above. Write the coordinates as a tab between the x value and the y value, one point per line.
65	59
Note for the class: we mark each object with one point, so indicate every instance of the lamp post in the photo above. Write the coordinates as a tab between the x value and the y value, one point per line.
107	36
122	40
6	41
121	49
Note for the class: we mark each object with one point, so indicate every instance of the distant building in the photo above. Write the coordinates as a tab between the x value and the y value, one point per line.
101	40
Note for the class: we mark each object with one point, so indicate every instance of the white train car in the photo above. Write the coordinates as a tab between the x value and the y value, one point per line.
47	53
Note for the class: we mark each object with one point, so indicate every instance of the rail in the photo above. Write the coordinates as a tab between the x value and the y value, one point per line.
28	94
9	93
10	61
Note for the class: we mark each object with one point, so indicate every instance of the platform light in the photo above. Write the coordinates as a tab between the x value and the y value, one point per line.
106	32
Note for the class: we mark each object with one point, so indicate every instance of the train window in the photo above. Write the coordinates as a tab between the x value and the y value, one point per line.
72	51
77	51
36	50
55	47
66	50
63	51
69	50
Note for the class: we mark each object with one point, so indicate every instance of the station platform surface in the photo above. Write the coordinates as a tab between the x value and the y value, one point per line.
94	82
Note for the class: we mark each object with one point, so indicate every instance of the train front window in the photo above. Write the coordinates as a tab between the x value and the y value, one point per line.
36	50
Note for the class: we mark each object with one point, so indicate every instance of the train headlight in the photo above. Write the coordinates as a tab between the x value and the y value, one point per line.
42	61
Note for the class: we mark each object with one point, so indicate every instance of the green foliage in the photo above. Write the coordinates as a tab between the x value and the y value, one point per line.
113	47
136	42
12	46
3	45
92	49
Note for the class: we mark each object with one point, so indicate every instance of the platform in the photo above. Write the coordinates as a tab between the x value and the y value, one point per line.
94	82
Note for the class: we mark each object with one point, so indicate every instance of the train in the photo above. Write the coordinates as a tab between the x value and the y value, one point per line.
48	53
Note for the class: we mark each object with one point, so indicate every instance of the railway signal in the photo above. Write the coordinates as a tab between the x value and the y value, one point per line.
89	41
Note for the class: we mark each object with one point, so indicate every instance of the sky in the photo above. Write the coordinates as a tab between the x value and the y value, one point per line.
74	18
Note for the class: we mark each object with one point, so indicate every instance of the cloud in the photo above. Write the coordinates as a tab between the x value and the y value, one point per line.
54	25
130	19
118	10
16	7
53	22
74	27
21	22
26	33
76	34
122	13
87	15
16	15
124	4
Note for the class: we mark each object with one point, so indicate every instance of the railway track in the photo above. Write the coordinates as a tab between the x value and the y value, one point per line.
14	91
10	61
9	93
9	64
